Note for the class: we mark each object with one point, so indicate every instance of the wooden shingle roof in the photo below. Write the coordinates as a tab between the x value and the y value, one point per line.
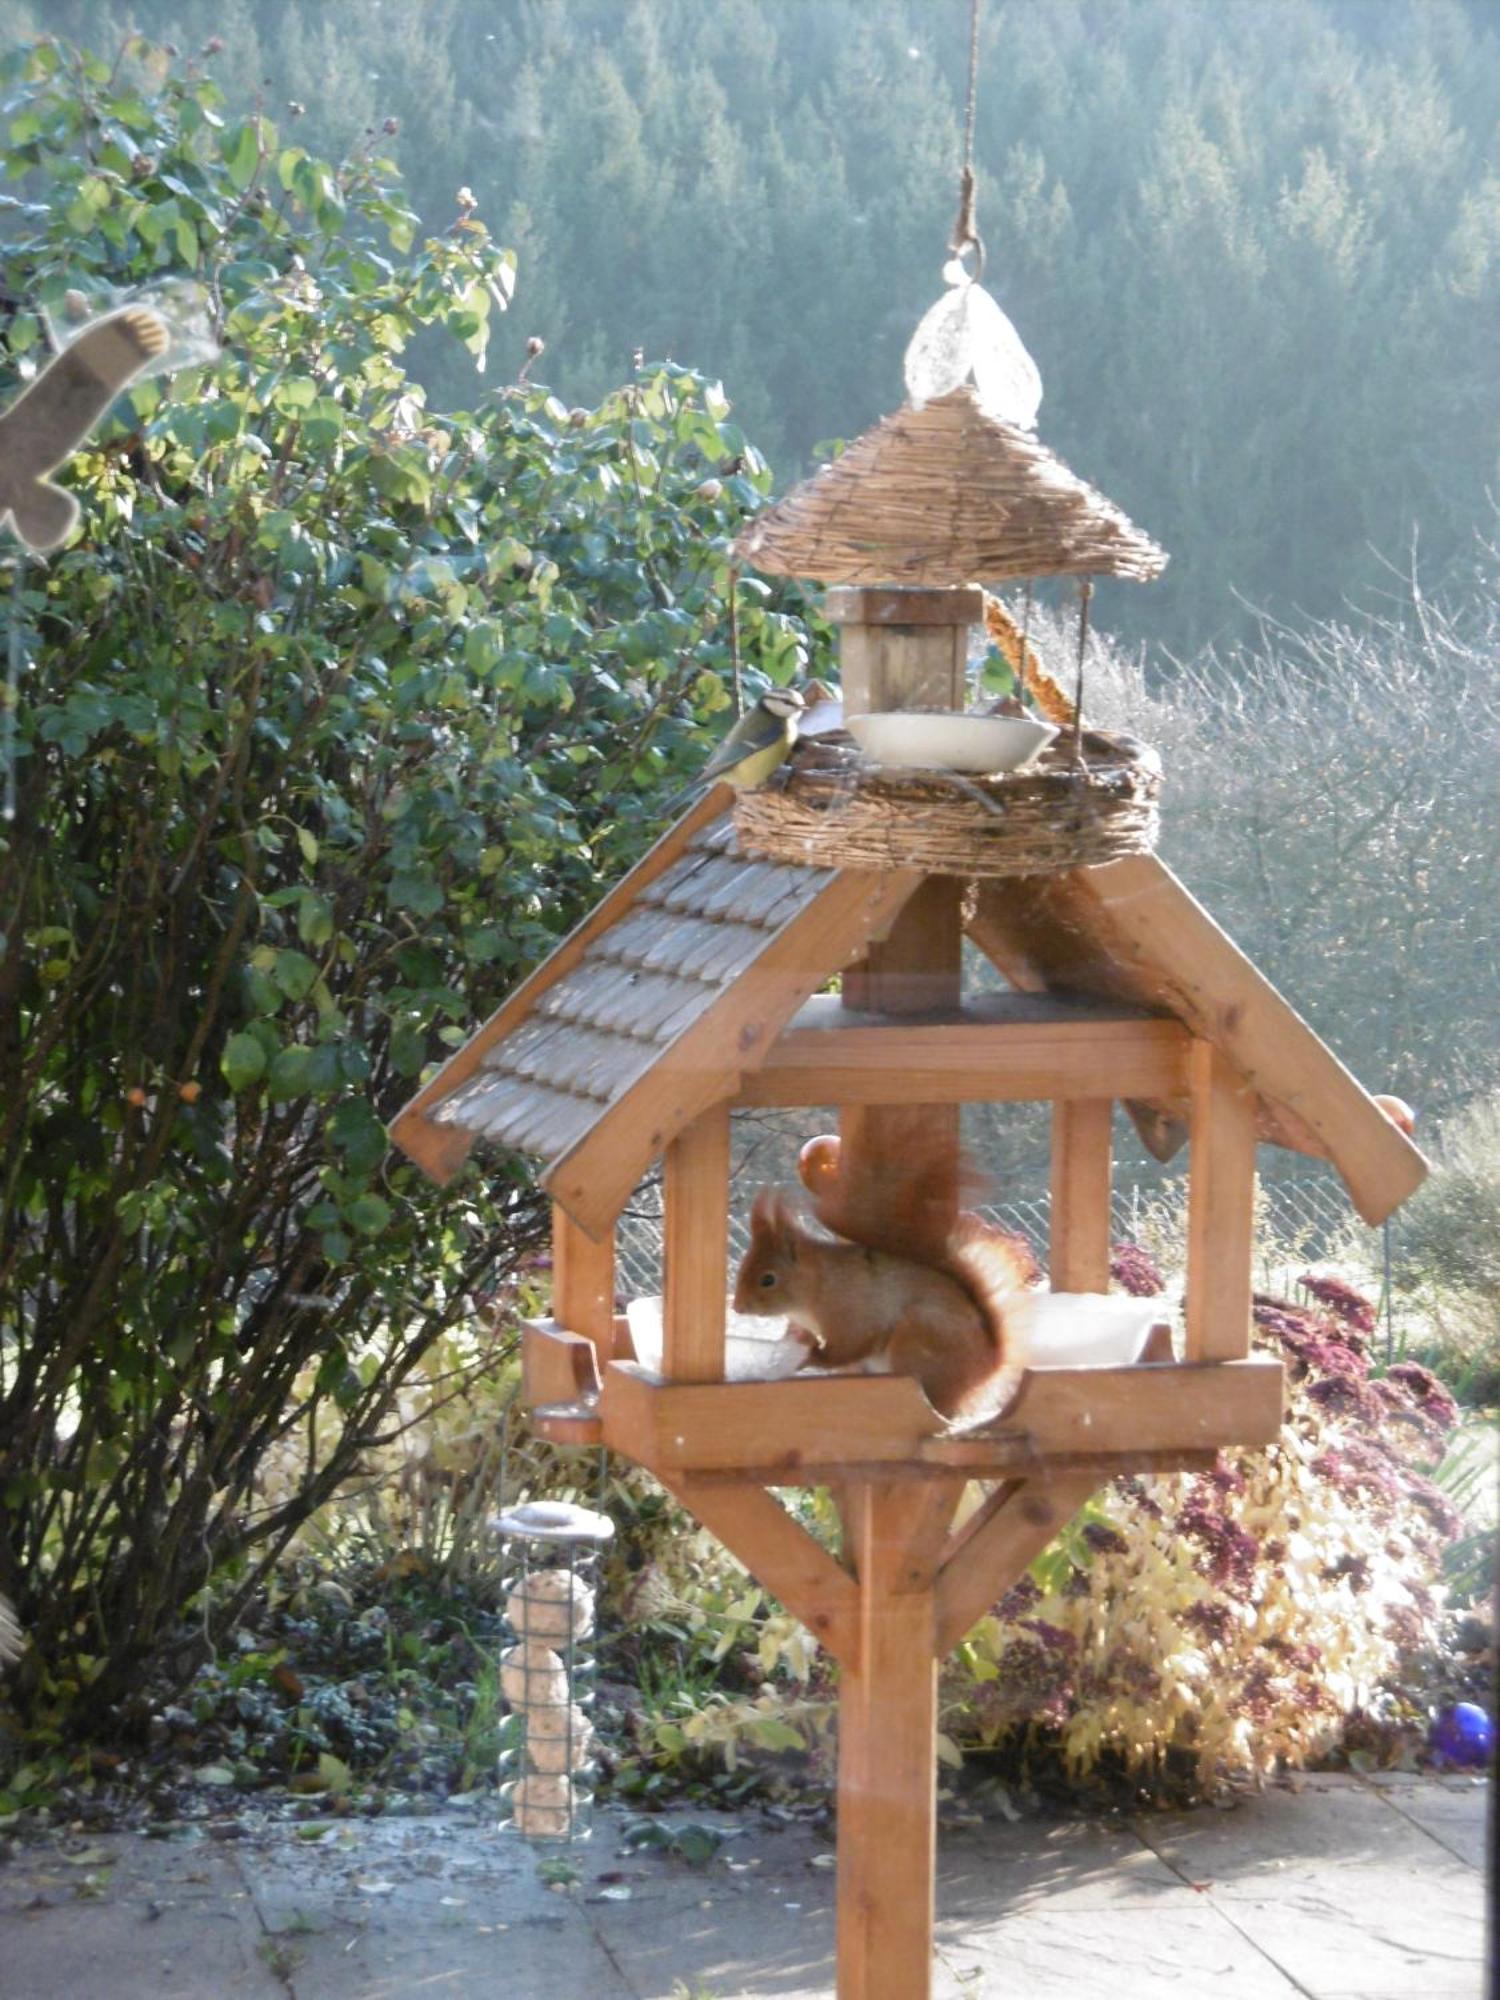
683	975
592	1037
677	985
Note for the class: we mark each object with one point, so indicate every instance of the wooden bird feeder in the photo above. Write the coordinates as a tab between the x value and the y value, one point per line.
689	992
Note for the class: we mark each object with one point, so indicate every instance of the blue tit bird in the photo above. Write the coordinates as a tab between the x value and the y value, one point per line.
758	742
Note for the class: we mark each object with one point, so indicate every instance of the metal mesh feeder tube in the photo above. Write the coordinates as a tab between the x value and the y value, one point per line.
551	1591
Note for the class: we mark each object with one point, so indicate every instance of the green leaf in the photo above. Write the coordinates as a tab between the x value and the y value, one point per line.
335	1773
243	1062
359	1136
289	1073
241	155
369	1214
295	973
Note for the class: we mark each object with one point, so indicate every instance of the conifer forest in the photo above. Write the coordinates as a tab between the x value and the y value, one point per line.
1254	245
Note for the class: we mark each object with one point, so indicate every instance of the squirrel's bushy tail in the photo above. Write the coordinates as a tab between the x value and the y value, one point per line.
994	1268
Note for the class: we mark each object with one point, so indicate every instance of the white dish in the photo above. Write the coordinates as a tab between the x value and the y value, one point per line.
909	739
755	1350
1082	1329
1050	1329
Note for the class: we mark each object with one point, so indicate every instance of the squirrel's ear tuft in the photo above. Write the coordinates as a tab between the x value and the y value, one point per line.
763	1212
782	1209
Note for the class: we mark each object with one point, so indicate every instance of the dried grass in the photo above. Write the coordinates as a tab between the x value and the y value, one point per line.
944	495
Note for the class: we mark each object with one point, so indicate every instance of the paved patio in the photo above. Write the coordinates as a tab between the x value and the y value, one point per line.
1346	1889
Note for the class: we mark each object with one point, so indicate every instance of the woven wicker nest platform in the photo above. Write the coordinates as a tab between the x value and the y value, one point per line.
942	495
830	809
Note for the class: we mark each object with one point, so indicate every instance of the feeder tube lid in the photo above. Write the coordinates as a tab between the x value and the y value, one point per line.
555	1521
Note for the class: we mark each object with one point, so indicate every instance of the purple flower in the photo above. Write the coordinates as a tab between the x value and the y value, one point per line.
1135	1271
1035	1680
1435	1505
1052	1635
1427	1392
1019	1599
1225	1478
1229	1551
1213	1621
1353	1570
1407	1627
1344	1396
1359	1467
1342	1301
1256	1693
1104	1540
1409	1425
1137	1677
1320	1344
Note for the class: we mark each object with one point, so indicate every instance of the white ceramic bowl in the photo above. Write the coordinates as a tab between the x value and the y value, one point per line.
906	738
755	1350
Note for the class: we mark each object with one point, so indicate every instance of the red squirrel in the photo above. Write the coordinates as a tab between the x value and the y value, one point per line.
924	1296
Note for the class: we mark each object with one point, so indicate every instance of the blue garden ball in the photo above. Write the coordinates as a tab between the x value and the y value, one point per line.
1463	1734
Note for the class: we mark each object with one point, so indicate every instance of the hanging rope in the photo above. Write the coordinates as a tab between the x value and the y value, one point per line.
966	230
1085	592
736	676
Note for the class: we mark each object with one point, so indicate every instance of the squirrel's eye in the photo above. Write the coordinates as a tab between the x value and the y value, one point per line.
767	1280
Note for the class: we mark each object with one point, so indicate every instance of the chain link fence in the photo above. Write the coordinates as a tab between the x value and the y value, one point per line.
1299	1221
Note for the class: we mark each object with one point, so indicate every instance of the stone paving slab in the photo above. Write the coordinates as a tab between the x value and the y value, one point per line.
1342	1891
132	1919
1442	1807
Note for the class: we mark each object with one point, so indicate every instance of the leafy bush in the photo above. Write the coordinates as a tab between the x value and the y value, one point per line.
1448	1256
327	725
1202	1626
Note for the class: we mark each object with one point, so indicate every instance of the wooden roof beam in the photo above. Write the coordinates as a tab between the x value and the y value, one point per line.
819	1061
1130	930
704	1066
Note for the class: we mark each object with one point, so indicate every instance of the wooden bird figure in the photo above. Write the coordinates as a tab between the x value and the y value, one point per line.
47	423
758	742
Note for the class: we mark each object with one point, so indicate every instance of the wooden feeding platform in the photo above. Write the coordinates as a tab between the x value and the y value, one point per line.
697	987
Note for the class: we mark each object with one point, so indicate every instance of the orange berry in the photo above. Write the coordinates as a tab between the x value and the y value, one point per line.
190	1092
135	1095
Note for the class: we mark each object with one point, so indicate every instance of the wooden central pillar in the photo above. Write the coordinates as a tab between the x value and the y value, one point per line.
905	649
899	649
887	1820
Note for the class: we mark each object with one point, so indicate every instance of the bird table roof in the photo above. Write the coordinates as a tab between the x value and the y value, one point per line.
649	1012
679	983
946	494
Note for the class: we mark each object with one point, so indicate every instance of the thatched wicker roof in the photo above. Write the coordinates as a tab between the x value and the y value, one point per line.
942	495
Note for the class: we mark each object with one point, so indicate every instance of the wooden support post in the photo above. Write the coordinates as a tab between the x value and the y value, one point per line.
904	648
1221	1209
915	968
696	1249
989	1557
781	1555
1078	1256
887	1813
583	1283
